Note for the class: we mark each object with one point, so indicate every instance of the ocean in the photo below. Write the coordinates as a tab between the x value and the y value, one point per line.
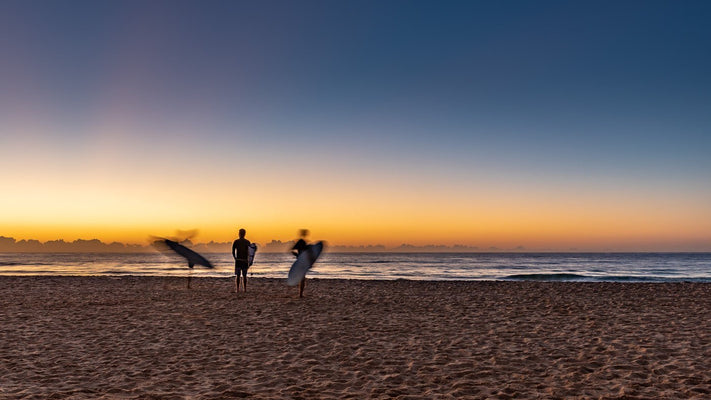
619	267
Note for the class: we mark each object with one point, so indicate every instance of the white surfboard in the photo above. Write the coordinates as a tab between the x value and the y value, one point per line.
251	251
303	263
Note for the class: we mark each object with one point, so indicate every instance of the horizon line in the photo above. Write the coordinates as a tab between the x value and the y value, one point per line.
12	245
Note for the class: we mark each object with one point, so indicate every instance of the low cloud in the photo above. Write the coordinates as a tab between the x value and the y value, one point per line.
11	245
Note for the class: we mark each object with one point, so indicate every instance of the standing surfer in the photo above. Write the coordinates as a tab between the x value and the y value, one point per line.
300	247
240	252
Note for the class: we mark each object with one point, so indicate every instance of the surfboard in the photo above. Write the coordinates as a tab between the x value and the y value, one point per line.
303	263
251	251
191	256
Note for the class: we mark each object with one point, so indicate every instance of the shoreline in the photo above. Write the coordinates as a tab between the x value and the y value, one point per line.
536	278
137	337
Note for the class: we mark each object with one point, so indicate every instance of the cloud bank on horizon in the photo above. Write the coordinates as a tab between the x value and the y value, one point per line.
12	245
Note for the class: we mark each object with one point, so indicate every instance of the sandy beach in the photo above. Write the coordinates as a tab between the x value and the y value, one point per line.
131	337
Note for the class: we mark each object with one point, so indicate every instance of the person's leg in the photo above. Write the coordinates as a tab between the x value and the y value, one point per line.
301	287
244	278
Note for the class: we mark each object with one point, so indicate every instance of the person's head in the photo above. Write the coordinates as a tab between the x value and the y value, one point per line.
242	232
303	233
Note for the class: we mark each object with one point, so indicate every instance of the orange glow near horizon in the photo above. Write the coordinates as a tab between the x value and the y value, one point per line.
119	201
387	218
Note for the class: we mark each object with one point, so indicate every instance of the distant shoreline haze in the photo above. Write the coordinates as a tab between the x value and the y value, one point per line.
12	245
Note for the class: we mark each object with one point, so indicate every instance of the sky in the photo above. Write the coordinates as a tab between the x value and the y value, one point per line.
549	125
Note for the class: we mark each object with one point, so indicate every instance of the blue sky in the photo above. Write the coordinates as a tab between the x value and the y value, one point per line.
604	95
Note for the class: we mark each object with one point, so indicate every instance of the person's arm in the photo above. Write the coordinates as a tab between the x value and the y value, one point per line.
234	247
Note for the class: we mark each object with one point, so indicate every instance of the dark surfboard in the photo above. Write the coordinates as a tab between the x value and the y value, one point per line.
191	256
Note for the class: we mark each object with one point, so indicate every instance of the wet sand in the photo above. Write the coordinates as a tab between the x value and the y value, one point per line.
139	337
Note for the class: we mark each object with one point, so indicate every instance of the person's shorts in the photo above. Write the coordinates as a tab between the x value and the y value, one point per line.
241	267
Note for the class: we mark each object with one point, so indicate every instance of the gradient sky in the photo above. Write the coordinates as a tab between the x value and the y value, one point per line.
550	125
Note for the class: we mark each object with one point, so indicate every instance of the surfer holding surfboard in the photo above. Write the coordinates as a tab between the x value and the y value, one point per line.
243	253
306	255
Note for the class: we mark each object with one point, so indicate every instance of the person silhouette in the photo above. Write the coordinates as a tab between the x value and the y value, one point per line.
240	252
299	247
